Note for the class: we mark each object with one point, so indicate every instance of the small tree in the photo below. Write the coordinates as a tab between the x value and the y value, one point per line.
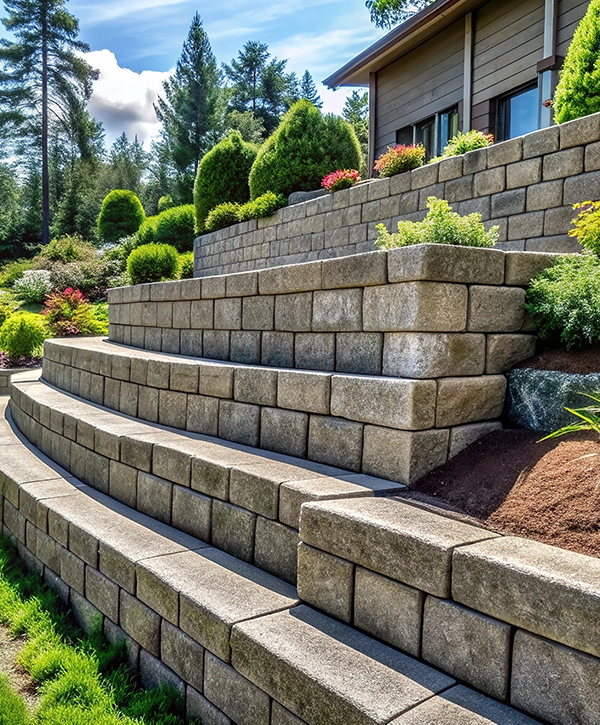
122	214
578	91
223	176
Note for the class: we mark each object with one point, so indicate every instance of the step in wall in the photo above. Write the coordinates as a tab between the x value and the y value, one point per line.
234	641
527	186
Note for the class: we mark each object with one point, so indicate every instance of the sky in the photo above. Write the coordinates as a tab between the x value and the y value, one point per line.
136	43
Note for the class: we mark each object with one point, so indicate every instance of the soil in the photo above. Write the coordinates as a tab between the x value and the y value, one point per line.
19	679
511	484
581	362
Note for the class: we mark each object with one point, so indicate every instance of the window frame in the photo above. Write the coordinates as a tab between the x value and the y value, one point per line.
503	110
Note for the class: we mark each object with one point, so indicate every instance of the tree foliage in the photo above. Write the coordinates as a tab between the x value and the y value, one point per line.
578	90
308	90
389	13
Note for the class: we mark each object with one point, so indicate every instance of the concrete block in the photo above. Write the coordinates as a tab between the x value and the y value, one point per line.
508	203
172	409
191	343
581	131
293	312
284	431
192	513
123	483
281	716
335	442
459	189
153	674
432	355
140	623
171	462
199	708
182	655
491	181
522	267
203	415
400	541
148	404
359	352
228	314
170	341
451	168
305	391
403	456
244	284
216	380
463	435
276	549
86	615
213	287
325	582
424	176
255	385
234	695
465	400
527	225
158	373
233	530
524	173
291	278
278	349
210	473
445	263
467	645
563	164
388	610
315	350
337	310
506	351
184	377
245	347
584	186
415	306
506	152
258	313
359	270
496	309
541	142
154	497
215	344
239	422
546	590
202	315
545	196
102	593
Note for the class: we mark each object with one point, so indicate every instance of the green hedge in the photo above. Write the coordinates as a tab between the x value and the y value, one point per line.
176	226
153	263
226	214
122	214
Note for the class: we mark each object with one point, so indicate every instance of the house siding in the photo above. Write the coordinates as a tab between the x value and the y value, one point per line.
570	13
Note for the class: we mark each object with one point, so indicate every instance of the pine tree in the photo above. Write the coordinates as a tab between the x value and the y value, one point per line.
309	91
389	13
127	163
578	90
188	111
41	73
356	112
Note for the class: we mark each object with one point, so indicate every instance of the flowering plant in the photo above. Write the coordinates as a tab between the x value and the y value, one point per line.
69	313
400	158
341	179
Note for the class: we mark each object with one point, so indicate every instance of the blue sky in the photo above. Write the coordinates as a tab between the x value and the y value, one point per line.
136	43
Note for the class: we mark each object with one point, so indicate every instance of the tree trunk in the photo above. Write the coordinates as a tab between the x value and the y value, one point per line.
45	174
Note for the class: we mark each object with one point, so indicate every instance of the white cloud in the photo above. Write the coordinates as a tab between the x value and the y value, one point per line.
123	99
102	11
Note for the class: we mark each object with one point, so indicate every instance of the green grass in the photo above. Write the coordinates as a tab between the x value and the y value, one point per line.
82	679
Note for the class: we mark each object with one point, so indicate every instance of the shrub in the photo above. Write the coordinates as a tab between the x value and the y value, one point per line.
578	90
440	226
265	205
340	179
13	271
33	286
93	277
176	226
68	249
564	301
462	143
165	202
186	265
303	149
587	226
146	234
7	306
152	263
222	216
69	313
22	335
398	159
223	176
122	214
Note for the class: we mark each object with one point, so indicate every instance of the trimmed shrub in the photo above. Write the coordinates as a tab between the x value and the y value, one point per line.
340	179
152	263
462	143
223	176
122	214
305	147
263	206
33	286
440	226
186	265
165	202
222	216
68	249
69	313
93	277
146	234
23	335
176	226
564	301
587	226
578	90
401	158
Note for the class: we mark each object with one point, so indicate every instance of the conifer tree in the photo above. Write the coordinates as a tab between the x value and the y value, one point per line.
41	74
578	91
309	91
389	13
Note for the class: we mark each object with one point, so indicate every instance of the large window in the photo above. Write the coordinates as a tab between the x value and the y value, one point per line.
518	113
434	132
448	128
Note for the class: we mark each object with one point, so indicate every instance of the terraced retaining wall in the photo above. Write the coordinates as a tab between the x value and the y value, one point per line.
527	186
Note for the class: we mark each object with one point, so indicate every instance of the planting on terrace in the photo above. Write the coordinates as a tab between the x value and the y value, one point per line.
153	263
22	335
398	159
69	313
462	143
229	213
341	179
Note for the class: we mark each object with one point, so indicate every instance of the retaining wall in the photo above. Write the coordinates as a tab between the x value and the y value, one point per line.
527	186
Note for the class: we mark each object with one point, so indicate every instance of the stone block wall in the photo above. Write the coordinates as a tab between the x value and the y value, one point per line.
516	619
527	186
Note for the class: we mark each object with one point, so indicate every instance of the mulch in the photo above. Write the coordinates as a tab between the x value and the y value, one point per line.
581	362
7	363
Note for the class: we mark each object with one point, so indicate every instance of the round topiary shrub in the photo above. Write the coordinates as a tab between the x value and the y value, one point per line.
223	176
22	335
186	265
122	214
305	148
176	226
146	234
153	263
221	216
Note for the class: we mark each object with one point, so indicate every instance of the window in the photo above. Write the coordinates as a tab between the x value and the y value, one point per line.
518	113
434	133
425	134
405	135
448	128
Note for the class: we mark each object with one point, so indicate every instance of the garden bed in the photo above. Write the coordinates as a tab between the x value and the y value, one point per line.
577	362
507	482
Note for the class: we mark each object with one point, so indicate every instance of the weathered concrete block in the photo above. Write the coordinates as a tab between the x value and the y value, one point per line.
388	610
154	497
305	391
239	422
140	623
337	310
584	186
315	351
491	181
468	645
433	355
293	312
192	513
276	549
202	315
244	284
424	176
284	431
182	655
158	373
462	436
524	173
216	380
542	142
359	352
233	530
258	313
291	278
554	682
581	131
228	314
496	309
508	203
563	164
465	400
153	673
415	306
545	196
278	349
213	287
523	226
335	442
459	189
403	456
102	593
215	344
198	707
86	615
358	270
236	696
172	463
255	385
548	591
172	409
184	377
444	263
451	168
326	582
281	716
506	351
123	483
203	415
522	267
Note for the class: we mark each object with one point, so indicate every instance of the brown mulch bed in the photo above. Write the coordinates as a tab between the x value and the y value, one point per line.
581	362
507	482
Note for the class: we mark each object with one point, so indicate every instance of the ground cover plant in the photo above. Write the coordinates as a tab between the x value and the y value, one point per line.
82	679
401	158
440	226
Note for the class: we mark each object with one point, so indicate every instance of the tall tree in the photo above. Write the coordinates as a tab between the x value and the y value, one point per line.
309	91
128	161
356	112
389	13
41	72
188	111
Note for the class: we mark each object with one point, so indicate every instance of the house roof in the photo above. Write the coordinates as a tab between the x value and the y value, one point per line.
422	26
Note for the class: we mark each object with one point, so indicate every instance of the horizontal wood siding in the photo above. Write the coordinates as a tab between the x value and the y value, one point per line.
427	80
509	42
570	13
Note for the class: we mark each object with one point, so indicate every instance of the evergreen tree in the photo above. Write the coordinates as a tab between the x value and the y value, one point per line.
389	13
250	127
127	162
578	91
9	210
40	72
188	111
356	112
309	91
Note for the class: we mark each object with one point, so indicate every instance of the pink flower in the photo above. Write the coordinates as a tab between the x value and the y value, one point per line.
341	179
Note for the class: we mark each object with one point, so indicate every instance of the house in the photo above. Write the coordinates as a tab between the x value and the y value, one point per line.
464	64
